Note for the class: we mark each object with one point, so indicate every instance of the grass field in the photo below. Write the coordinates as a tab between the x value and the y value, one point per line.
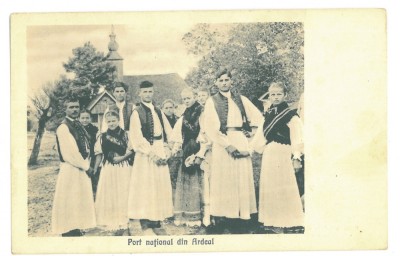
41	186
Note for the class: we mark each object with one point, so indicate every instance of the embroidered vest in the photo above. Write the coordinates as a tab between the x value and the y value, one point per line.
147	122
221	106
81	137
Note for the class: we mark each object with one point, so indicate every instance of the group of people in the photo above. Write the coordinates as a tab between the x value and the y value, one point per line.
216	137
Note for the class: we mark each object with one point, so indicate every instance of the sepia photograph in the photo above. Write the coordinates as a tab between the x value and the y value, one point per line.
131	135
187	131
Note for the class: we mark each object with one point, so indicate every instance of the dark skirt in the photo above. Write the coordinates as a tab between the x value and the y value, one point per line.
188	193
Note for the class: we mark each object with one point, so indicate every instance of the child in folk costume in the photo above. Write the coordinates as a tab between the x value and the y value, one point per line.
85	120
280	142
188	199
168	108
112	193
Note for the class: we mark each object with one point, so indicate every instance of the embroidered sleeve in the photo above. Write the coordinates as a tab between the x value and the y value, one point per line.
69	149
177	132
97	146
205	143
258	143
128	139
296	137
212	125
253	114
137	141
176	138
167	126
104	125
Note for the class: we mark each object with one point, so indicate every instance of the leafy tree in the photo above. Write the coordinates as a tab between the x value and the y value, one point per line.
257	54
90	71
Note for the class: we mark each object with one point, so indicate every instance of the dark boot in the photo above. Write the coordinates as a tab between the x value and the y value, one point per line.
74	232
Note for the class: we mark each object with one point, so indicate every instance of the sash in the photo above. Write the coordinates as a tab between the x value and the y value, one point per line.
113	143
275	125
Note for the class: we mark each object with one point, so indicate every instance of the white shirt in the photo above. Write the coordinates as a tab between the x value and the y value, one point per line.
212	125
69	148
140	143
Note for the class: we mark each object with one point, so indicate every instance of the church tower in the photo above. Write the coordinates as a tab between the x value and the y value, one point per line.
113	57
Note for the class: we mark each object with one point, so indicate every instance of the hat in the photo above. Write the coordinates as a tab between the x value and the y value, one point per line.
145	84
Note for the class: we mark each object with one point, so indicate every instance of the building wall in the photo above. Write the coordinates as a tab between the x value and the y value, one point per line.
102	105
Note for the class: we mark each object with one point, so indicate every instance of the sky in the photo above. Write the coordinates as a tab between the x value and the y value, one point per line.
145	49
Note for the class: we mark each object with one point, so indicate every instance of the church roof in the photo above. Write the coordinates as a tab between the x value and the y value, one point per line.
113	47
166	86
98	98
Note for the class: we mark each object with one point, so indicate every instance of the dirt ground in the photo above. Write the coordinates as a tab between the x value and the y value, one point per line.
41	186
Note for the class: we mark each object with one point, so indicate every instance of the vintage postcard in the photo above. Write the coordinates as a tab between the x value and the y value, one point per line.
199	131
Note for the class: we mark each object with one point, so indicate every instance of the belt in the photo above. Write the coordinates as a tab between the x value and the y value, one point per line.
237	129
159	137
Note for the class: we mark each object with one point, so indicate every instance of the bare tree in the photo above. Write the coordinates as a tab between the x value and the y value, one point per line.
91	70
42	103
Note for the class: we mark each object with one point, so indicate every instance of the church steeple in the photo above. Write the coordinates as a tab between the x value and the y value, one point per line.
113	56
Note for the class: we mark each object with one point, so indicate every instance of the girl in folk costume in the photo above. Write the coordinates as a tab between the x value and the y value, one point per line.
112	193
188	186
85	120
280	142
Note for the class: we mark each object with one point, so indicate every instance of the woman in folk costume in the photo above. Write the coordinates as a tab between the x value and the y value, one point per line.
112	193
73	206
230	118
188	201
150	191
280	141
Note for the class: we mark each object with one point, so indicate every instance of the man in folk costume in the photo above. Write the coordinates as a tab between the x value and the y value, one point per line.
123	108
230	118
73	206
150	194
